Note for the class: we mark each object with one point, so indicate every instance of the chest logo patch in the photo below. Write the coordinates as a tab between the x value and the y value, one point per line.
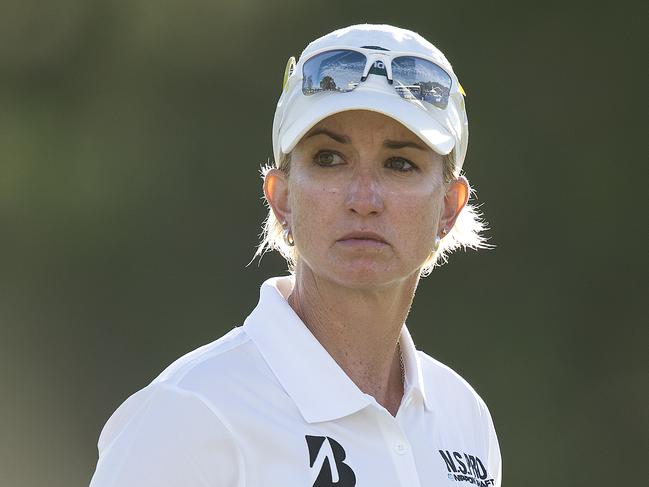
326	460
463	467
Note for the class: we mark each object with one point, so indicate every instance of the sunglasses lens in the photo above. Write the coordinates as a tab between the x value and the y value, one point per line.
417	78
339	70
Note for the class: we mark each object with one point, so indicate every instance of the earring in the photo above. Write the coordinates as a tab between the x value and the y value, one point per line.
436	243
288	236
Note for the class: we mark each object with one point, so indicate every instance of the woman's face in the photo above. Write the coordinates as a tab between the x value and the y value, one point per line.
364	199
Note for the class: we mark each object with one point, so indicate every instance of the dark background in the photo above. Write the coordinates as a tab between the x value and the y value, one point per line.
131	135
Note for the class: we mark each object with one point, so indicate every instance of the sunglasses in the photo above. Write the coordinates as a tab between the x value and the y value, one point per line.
342	70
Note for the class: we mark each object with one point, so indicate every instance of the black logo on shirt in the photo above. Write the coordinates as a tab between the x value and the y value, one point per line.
326	457
463	467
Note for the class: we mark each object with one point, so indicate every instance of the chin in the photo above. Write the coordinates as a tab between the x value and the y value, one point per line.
363	273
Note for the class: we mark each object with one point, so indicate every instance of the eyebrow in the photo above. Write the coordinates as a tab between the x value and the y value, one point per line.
400	144
344	139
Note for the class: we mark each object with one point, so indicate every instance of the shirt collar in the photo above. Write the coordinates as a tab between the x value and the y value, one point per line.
413	368
321	390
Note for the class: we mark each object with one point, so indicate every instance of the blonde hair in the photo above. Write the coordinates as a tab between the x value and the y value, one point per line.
467	231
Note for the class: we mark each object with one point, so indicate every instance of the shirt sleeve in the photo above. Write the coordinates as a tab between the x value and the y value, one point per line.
164	436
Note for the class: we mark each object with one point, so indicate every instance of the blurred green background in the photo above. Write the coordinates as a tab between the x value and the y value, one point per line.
131	135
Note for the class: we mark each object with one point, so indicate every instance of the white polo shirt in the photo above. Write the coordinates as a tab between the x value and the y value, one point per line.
266	406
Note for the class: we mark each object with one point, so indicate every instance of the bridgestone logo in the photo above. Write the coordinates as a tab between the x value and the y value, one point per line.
326	457
463	467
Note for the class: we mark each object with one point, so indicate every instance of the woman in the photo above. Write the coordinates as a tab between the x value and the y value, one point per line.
322	385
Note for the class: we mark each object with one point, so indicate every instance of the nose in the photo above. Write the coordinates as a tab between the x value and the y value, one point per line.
364	193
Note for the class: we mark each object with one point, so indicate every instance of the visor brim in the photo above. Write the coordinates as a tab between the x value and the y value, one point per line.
413	117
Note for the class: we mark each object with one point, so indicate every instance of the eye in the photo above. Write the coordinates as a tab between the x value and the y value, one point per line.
327	158
401	164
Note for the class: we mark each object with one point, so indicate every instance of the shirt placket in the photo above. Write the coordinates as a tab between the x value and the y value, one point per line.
399	447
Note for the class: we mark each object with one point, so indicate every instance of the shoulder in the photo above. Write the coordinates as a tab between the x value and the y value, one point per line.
197	374
219	355
217	375
463	412
170	423
450	391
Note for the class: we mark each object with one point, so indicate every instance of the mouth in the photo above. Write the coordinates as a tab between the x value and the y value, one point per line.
363	238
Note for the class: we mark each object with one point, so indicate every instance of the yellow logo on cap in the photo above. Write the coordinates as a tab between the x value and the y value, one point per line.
461	89
288	71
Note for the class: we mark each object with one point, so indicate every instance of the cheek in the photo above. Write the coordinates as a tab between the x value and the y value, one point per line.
418	214
313	208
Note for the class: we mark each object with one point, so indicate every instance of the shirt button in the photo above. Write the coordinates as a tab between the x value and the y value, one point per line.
401	448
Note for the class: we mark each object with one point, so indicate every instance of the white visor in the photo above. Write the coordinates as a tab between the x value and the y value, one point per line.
307	111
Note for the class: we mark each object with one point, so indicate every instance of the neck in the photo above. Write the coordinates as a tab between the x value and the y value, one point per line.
359	328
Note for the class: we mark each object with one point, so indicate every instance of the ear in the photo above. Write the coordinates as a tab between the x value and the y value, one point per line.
276	192
455	199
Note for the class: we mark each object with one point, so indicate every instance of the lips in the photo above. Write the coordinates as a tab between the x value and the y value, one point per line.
361	235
